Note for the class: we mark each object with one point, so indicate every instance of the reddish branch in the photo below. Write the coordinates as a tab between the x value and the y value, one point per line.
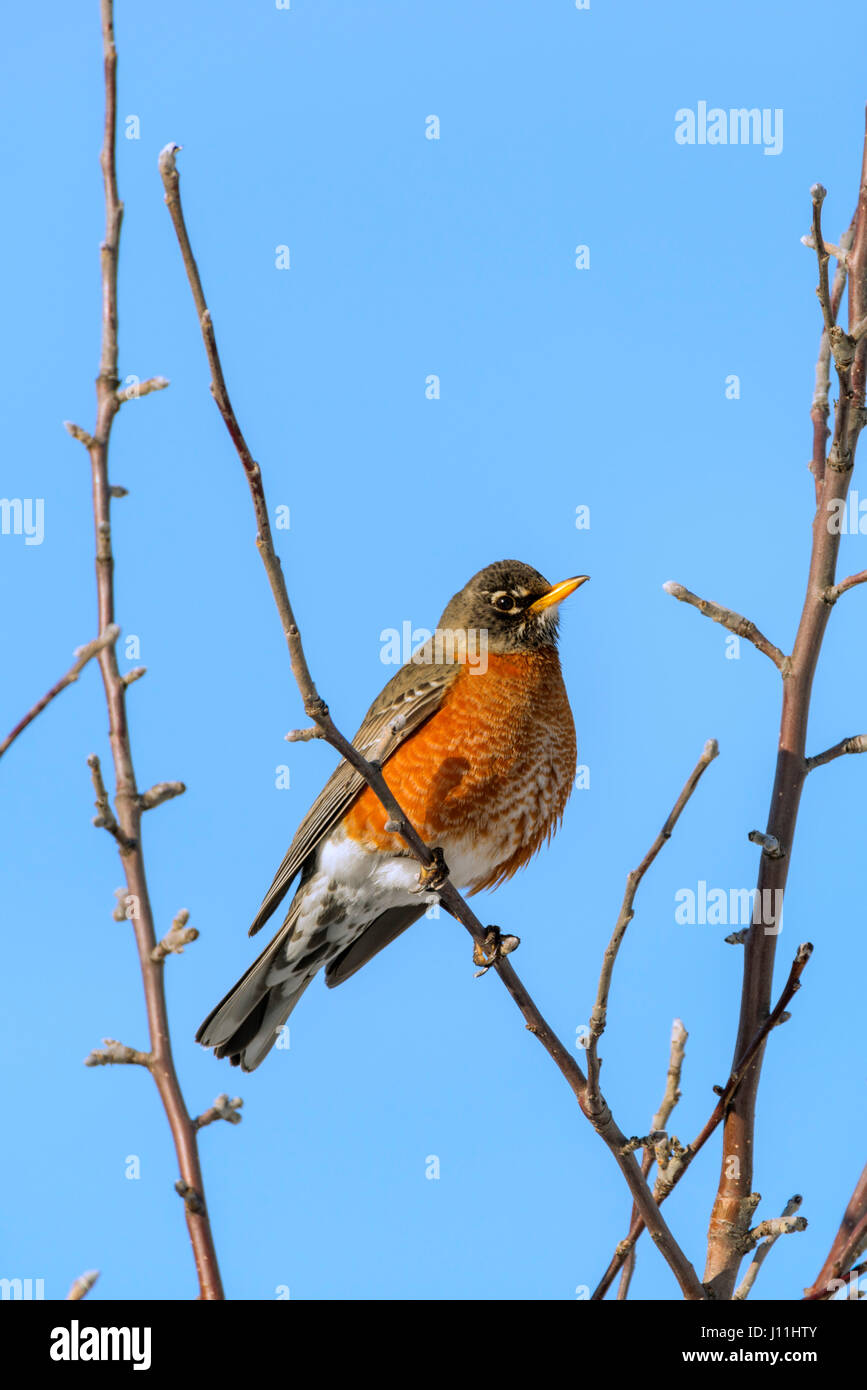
820	410
599	1015
83	655
731	1212
125	820
832	594
679	1159
849	1242
489	948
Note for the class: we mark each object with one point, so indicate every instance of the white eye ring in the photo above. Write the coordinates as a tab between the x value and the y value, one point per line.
496	601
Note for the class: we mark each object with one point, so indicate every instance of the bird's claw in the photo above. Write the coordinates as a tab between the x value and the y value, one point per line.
495	948
433	876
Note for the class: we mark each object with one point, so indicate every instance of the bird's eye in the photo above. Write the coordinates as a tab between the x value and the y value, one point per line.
504	602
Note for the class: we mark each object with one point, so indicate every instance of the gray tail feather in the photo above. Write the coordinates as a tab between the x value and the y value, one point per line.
244	1025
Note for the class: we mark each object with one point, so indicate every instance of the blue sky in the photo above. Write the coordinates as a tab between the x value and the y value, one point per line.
601	387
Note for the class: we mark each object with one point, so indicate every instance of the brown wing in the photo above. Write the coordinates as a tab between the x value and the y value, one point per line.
413	694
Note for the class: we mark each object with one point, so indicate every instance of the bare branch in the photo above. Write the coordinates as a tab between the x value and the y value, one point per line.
729	1220
727	1092
142	388
303	735
116	1053
671	1095
317	710
857	744
659	1148
818	195
600	1008
682	1157
833	592
761	1254
176	938
840	343
740	626
124	820
82	1285
105	817
819	408
849	1242
78	433
82	655
222	1109
840	253
775	1227
163	791
769	843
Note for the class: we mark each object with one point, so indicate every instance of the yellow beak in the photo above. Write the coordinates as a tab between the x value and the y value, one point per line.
558	593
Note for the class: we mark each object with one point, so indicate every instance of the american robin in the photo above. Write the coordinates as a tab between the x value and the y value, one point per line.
478	745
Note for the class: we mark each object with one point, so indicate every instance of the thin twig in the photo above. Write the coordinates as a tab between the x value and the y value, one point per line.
222	1109
832	593
599	1014
124	821
789	1210
818	195
303	735
683	1157
819	409
730	1216
857	744
105	818
776	1226
849	1242
317	710
82	1286
83	655
142	388
78	433
742	627
727	1093
163	791
176	938
840	253
658	1126
116	1053
671	1095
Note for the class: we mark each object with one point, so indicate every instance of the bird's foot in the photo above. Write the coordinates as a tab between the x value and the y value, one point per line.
433	876
495	948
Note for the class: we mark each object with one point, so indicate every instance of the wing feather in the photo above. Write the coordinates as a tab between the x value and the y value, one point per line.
413	694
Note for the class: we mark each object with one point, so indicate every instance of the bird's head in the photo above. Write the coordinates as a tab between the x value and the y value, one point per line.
513	603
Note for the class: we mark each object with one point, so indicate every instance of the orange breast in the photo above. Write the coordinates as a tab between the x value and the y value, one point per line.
489	774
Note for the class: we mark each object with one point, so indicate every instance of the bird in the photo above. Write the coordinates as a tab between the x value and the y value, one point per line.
477	743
